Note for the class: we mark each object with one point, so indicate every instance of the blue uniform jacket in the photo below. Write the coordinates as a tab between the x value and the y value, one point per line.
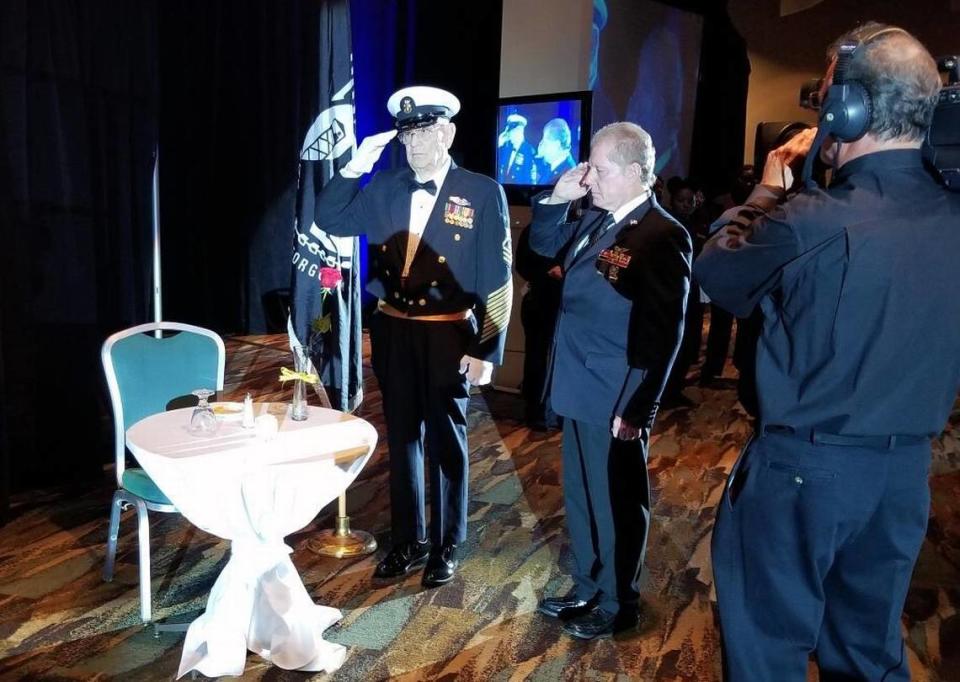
462	262
614	346
520	172
860	292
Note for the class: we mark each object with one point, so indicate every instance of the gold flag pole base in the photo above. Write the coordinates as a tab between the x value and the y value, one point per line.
342	542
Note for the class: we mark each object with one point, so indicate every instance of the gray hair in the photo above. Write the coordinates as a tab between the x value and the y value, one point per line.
557	129
631	144
900	76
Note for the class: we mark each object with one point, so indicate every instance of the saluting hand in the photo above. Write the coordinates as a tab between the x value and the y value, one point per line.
570	186
368	153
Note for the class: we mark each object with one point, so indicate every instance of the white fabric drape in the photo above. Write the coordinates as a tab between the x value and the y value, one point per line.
254	490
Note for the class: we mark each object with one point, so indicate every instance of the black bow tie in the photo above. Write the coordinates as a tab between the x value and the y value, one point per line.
429	186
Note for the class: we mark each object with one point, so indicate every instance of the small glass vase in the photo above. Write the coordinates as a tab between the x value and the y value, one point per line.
298	408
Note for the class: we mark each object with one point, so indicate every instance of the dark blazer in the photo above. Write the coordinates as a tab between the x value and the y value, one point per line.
520	172
462	262
618	334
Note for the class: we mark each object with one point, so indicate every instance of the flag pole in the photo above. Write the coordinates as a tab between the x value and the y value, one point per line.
340	541
155	219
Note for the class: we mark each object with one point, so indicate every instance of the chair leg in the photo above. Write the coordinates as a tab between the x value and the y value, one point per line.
144	536
116	507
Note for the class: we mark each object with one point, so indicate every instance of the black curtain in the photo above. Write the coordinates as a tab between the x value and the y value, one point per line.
462	54
78	131
718	129
236	83
88	89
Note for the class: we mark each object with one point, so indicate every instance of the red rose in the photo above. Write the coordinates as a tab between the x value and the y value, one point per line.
329	278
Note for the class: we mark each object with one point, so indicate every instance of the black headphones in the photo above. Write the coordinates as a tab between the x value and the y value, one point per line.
847	108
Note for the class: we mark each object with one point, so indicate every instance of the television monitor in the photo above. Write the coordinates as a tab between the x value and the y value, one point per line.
538	138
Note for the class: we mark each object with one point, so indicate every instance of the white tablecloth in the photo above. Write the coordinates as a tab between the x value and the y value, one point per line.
240	486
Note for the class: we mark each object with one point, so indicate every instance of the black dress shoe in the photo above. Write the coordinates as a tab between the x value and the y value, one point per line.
402	559
441	566
600	623
568	606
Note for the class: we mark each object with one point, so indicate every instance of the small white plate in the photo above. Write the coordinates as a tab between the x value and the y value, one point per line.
228	411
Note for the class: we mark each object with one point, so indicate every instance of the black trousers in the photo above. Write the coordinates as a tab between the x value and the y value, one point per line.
813	549
607	499
689	351
539	319
425	404
718	342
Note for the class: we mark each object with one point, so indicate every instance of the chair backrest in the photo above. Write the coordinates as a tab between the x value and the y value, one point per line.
144	372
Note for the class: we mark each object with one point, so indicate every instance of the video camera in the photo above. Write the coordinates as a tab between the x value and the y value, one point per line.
941	148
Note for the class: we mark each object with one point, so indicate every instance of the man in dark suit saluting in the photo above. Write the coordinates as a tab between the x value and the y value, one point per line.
440	267
621	321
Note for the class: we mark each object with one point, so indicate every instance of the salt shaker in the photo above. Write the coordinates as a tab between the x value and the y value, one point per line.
248	420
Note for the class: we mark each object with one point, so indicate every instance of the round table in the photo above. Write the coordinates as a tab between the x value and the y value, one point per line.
254	487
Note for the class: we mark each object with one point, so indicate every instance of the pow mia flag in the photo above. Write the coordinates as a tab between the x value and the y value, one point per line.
327	322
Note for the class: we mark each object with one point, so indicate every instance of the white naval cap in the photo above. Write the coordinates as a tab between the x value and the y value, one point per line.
514	120
421	105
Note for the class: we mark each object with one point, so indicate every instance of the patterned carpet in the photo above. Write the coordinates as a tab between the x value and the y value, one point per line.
59	621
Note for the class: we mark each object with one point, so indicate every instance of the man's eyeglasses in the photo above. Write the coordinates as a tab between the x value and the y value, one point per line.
408	136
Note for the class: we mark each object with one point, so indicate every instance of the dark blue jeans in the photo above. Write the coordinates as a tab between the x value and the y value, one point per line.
813	551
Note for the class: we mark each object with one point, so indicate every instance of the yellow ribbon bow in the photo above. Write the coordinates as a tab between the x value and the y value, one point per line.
289	375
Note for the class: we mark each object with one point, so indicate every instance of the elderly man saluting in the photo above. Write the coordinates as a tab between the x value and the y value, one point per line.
627	278
441	270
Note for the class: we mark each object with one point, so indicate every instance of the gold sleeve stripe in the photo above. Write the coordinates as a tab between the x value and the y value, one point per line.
501	294
502	291
499	303
497	313
507	251
494	314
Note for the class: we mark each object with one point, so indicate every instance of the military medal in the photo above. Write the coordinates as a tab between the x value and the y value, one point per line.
457	211
611	261
617	256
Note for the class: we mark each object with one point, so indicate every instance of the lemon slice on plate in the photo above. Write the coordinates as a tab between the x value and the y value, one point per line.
228	411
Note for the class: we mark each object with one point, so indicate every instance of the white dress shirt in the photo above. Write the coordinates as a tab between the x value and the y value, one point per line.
421	206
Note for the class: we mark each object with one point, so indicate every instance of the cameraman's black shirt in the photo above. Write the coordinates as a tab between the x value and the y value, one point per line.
859	285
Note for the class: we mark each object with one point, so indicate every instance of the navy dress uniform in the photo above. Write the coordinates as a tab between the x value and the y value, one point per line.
516	157
857	368
452	299
620	326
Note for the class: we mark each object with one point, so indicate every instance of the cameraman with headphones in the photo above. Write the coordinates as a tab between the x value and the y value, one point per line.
858	366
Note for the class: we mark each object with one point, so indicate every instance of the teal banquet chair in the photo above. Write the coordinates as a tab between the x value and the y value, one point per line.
144	371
